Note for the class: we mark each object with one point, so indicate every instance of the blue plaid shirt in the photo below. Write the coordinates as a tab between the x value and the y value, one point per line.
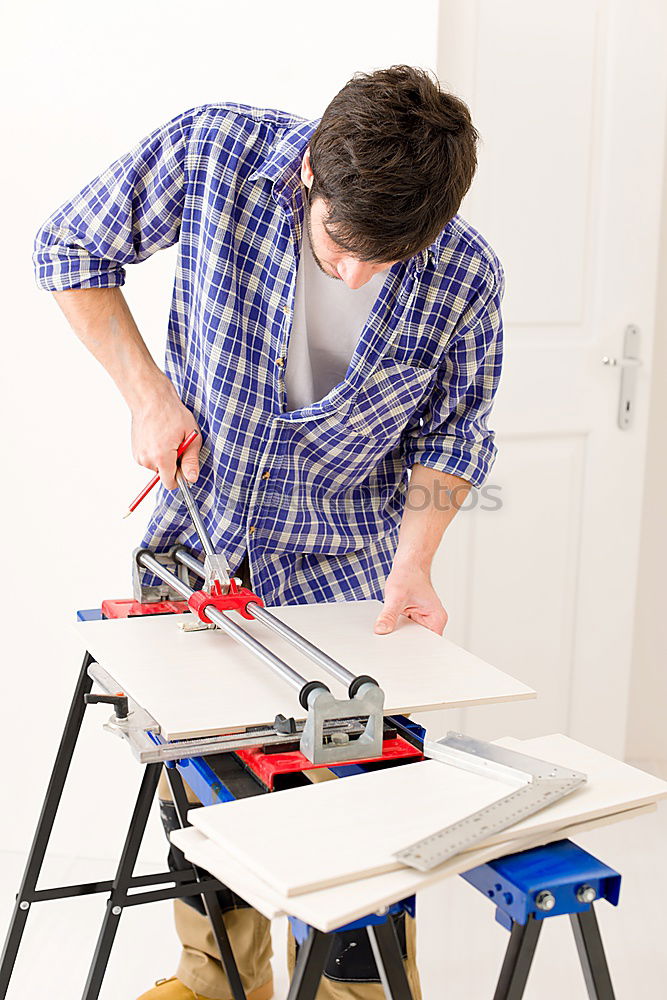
315	496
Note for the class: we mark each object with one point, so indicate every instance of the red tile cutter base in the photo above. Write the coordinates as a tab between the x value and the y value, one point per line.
272	768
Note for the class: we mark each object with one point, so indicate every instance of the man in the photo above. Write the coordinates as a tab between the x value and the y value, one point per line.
334	325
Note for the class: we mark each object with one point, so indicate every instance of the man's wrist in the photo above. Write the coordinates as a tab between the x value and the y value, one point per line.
412	560
148	388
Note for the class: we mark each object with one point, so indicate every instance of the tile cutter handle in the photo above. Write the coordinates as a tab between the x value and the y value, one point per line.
215	566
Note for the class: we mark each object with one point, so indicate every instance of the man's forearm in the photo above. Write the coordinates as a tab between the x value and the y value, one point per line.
102	320
432	502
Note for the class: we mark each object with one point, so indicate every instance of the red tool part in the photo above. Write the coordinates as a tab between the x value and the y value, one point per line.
129	608
237	599
270	768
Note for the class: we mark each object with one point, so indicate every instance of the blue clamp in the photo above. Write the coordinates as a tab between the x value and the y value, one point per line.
544	882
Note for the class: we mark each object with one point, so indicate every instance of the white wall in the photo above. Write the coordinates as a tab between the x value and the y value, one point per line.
80	83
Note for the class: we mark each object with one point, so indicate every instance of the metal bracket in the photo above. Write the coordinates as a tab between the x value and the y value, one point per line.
628	364
137	726
323	708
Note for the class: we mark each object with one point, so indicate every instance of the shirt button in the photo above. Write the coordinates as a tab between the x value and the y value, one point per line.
265	475
280	362
286	310
251	529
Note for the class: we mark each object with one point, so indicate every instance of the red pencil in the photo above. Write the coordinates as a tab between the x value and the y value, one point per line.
184	445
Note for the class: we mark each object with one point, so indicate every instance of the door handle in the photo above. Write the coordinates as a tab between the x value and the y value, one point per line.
628	363
621	362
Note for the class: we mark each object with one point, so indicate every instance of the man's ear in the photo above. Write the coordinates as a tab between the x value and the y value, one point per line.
306	169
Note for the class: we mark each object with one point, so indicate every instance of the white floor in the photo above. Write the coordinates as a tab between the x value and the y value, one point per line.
460	944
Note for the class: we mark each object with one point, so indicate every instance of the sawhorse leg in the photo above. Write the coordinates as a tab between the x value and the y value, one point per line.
591	955
518	959
122	881
209	899
388	958
314	952
310	963
45	825
521	949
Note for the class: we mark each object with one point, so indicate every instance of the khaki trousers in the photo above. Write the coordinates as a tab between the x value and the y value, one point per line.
200	968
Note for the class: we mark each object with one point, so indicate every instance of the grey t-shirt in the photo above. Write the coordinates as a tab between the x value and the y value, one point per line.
328	320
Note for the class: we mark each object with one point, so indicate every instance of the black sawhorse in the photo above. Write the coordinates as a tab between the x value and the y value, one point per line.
527	888
127	889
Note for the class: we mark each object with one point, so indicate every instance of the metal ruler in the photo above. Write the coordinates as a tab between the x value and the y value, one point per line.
536	784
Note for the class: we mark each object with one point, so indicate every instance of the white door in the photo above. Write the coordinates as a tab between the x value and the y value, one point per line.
570	101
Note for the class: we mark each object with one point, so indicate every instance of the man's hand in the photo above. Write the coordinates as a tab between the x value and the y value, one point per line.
408	591
160	422
432	501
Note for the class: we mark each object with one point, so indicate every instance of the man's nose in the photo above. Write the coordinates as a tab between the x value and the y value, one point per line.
354	273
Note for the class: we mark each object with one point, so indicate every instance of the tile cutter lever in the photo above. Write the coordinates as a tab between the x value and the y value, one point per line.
366	699
215	564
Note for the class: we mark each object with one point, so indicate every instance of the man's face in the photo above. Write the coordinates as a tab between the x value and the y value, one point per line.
337	263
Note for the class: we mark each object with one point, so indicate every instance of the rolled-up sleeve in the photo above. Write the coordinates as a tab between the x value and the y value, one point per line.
452	434
122	217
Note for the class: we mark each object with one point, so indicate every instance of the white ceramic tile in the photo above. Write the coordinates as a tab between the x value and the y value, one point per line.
338	831
201	683
337	905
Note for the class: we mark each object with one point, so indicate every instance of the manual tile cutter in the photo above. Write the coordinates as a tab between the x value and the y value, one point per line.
332	732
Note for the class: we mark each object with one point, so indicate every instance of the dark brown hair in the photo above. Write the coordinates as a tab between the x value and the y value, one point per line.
392	157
